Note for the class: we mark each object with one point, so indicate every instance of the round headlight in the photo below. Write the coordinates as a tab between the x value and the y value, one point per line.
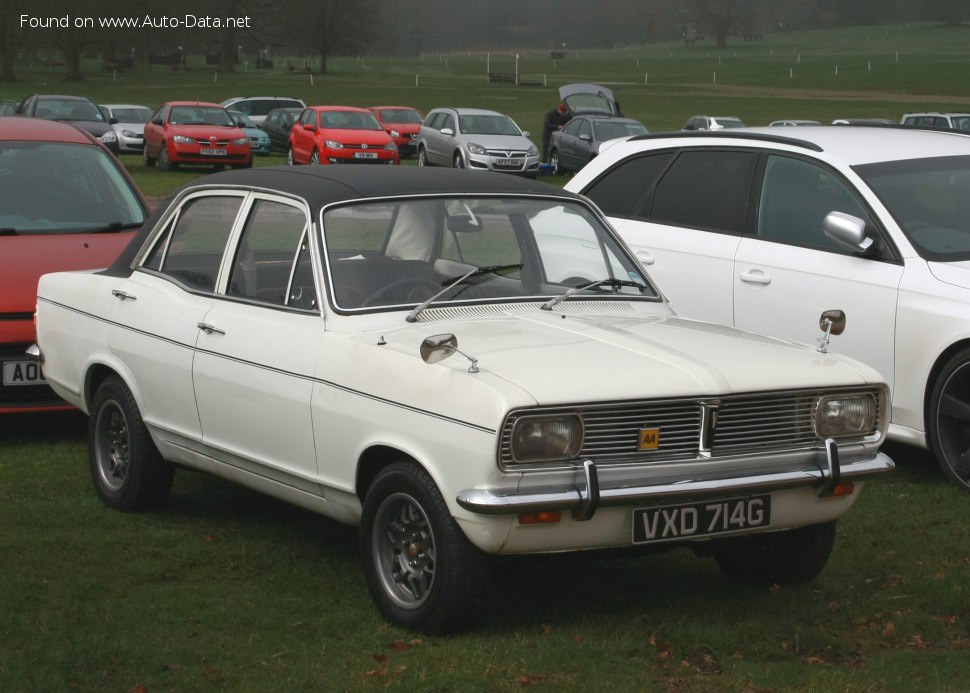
544	438
846	415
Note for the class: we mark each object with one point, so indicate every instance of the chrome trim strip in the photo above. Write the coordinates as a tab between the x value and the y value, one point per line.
511	502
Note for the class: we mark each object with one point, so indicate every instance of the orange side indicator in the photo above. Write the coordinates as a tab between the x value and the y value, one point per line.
545	517
844	488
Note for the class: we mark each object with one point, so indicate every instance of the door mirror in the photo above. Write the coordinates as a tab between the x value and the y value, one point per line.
447	131
438	347
832	321
848	231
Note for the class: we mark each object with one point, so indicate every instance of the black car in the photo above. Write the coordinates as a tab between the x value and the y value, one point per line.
80	111
277	125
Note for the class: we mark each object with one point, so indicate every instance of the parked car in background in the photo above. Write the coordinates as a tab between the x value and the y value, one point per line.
340	135
387	348
766	231
589	99
277	125
402	124
80	111
793	123
863	121
258	107
259	140
195	132
701	122
128	125
8	108
579	140
478	139
65	204
953	121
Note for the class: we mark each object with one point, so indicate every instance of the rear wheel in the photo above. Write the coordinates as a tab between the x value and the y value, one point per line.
949	419
149	161
422	157
126	468
554	162
289	157
793	555
421	570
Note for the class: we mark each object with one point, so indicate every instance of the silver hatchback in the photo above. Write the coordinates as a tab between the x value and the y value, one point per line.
477	139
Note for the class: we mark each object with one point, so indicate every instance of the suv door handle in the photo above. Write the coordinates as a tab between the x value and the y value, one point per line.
645	258
755	277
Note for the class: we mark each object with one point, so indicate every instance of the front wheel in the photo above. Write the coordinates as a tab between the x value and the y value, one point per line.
458	161
793	555
164	162
126	468
421	570
949	419
314	158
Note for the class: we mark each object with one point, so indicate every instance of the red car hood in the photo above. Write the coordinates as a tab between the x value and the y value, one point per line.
403	128
24	258
205	132
356	136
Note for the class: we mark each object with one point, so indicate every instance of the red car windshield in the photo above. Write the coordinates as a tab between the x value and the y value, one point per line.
199	115
349	120
401	115
53	187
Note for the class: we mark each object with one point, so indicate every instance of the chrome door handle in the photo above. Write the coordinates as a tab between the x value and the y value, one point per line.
645	258
118	293
756	277
209	329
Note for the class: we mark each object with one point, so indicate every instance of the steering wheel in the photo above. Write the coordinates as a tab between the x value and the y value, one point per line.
410	290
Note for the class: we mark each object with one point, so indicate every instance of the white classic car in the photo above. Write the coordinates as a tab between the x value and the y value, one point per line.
463	364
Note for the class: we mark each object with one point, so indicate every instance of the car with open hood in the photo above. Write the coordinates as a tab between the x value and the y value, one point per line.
464	365
589	99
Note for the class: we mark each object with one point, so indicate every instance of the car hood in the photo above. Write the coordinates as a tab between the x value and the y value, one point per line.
204	132
607	357
94	127
589	94
357	136
24	258
509	142
955	273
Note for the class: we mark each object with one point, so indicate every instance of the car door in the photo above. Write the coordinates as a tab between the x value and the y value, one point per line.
683	213
573	149
154	132
258	346
157	311
301	139
789	271
441	143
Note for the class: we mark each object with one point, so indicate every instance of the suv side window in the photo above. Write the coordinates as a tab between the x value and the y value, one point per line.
620	191
706	189
795	197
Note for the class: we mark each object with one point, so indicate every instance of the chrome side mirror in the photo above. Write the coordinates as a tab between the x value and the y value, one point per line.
831	322
848	231
437	348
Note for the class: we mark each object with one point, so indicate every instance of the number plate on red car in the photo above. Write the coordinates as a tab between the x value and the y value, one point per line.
365	155
701	519
212	152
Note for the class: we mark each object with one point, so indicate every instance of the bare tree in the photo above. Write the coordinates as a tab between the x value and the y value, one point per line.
9	23
950	12
328	27
718	16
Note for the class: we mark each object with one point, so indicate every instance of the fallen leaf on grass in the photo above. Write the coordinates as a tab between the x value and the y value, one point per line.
138	688
379	673
379	657
948	619
889	631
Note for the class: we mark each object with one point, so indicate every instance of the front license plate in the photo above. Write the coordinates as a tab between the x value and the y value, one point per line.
365	155
506	162
22	373
212	152
702	519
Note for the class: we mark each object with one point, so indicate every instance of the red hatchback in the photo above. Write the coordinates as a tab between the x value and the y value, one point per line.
402	124
195	132
340	135
65	203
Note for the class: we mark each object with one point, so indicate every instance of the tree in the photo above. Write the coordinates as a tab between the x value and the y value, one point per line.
950	12
8	39
717	16
330	26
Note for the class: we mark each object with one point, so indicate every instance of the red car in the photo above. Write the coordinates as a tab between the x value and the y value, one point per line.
340	135
402	124
65	203
195	132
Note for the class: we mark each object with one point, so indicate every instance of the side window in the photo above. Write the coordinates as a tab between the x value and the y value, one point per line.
706	189
571	128
618	192
795	197
308	118
586	129
191	251
267	252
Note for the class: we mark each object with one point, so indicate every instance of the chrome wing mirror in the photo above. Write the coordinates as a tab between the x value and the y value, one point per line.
848	231
438	347
831	322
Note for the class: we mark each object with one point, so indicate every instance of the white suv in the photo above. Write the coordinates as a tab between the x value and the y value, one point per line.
257	107
766	231
954	121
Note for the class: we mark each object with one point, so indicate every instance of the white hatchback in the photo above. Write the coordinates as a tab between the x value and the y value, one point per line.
764	231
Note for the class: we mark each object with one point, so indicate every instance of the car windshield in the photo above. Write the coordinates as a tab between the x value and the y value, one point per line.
729	122
401	115
199	115
930	200
63	188
488	125
68	109
610	130
349	120
397	254
131	115
242	119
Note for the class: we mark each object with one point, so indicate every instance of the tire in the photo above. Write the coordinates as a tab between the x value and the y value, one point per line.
149	161
949	419
794	555
290	161
126	468
554	162
164	162
314	158
458	161
421	570
423	157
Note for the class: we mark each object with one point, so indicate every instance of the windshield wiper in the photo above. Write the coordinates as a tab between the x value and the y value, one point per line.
455	281
610	281
112	226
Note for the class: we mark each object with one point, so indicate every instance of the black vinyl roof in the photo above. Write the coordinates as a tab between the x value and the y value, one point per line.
320	186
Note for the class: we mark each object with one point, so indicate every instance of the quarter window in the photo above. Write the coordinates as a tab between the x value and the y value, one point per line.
621	191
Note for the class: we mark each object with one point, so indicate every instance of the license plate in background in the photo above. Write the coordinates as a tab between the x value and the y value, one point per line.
671	522
213	152
22	373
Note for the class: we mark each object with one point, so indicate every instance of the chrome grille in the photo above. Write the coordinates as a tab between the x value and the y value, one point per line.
745	424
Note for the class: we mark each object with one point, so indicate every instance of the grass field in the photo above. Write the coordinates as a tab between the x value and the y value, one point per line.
228	590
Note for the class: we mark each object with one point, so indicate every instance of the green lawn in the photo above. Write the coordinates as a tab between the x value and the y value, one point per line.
228	590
